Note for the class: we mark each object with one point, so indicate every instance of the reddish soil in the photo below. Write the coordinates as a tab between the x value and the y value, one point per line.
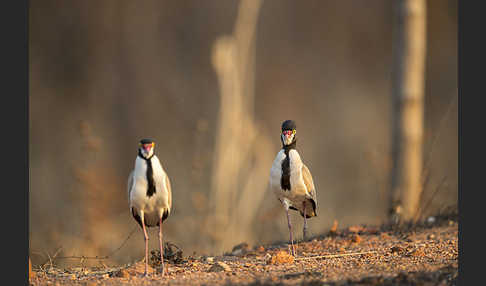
359	255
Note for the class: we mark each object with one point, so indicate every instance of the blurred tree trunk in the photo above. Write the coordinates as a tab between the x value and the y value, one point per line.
242	150
407	116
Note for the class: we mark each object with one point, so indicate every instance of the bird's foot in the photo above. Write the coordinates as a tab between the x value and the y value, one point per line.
292	250
163	271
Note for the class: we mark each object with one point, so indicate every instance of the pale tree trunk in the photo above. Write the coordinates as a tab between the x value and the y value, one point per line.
242	153
408	108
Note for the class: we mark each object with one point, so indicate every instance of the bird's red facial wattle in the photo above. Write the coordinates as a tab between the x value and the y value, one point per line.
147	147
288	133
288	136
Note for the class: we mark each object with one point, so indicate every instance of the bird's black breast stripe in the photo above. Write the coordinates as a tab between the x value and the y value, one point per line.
285	179
150	179
150	175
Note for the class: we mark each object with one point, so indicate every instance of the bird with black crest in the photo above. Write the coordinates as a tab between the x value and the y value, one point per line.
291	180
149	194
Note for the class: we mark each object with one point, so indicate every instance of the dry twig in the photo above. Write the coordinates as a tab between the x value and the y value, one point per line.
335	255
83	257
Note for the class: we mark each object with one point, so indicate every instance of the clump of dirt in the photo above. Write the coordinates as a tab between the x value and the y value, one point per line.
240	249
172	254
219	266
281	257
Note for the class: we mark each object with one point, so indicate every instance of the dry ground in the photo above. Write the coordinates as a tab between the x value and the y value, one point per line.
359	255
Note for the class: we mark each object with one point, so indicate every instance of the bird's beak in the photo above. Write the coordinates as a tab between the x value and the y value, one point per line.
147	147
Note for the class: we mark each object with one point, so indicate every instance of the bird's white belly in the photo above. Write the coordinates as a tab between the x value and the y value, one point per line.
154	206
141	201
297	194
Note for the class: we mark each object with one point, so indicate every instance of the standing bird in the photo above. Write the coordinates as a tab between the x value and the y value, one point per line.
149	194
291	180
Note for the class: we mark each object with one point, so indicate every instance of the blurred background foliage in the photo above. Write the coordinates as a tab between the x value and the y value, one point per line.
104	74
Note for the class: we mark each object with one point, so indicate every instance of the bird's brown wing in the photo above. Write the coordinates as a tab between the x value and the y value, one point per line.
169	191
309	184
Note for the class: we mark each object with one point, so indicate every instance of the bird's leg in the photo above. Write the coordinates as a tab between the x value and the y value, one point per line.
305	224
161	246
290	231
146	238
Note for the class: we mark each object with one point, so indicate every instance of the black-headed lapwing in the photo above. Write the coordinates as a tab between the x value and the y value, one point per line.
149	194
291	180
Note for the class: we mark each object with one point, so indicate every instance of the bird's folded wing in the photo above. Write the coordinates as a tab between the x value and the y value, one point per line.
309	183
169	191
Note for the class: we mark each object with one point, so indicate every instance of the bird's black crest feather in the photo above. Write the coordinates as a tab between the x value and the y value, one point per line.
146	141
288	125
